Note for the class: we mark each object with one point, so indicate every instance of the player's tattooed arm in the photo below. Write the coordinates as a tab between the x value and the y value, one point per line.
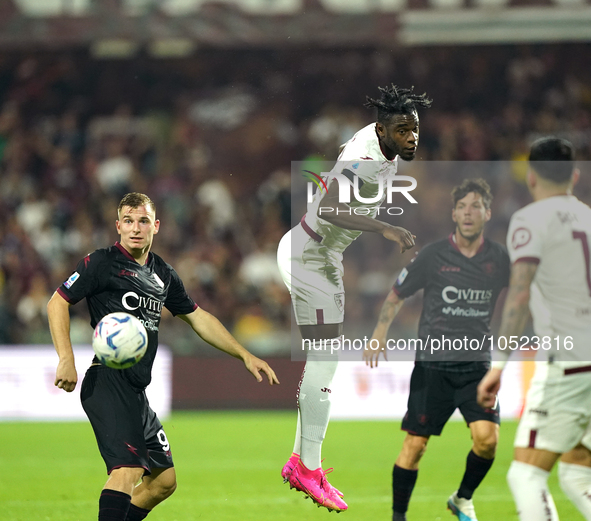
210	329
389	310
515	314
58	314
342	215
516	309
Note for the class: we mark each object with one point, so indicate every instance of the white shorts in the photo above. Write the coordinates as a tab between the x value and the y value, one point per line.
557	413
586	441
313	275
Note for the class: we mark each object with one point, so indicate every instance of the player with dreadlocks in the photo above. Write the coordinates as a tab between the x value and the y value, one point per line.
310	260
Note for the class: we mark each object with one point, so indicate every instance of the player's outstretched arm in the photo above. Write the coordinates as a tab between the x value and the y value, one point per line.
515	314
58	314
402	236
389	310
213	332
341	215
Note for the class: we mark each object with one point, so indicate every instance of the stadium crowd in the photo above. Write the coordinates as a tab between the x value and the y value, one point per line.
211	138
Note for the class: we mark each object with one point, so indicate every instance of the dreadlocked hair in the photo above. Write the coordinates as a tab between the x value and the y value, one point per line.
396	100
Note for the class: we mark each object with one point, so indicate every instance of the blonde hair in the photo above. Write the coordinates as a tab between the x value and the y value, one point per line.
135	199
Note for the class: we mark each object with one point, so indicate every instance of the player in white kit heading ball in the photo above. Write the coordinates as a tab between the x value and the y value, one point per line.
310	261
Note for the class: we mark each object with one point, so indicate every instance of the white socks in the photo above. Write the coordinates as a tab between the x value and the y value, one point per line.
314	407
529	486
575	481
297	446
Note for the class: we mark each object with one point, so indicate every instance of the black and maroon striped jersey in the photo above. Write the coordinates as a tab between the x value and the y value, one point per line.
459	297
111	280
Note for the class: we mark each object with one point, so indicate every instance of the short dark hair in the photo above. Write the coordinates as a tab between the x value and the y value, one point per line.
135	199
396	100
479	186
553	159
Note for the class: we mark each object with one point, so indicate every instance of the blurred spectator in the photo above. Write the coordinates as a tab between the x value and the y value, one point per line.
214	195
114	173
31	311
211	139
259	268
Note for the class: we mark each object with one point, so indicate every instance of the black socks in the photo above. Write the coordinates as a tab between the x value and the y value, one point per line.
136	513
403	483
113	505
476	469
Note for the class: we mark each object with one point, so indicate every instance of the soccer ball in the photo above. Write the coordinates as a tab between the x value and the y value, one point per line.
120	340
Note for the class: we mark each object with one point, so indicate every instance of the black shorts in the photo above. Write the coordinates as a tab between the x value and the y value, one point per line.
127	430
434	396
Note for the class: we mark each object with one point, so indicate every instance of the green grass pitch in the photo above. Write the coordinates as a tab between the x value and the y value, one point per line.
228	466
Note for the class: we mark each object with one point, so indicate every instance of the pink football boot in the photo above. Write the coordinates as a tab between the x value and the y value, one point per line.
288	469
289	466
316	486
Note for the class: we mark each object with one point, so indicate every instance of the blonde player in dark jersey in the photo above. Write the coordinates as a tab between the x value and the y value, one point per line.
127	277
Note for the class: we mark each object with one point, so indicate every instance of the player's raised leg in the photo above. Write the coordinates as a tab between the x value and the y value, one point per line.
297	449
314	393
161	482
153	489
115	498
320	320
314	410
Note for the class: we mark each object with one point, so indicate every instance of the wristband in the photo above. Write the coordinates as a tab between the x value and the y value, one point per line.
499	364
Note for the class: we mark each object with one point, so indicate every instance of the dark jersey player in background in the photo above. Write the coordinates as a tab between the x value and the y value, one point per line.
462	277
128	277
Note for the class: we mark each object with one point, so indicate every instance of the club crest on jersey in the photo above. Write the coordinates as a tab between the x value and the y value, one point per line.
73	278
521	237
490	268
339	300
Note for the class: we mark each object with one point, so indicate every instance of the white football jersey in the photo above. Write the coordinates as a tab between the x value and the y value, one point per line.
362	156
556	233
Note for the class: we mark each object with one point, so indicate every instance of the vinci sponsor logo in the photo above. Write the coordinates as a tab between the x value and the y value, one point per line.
461	312
73	278
451	295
